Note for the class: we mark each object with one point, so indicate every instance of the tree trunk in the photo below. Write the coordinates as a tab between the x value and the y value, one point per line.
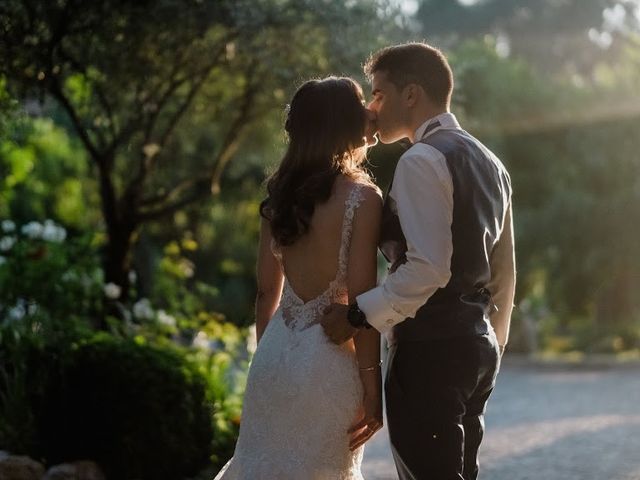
143	263
117	262
121	233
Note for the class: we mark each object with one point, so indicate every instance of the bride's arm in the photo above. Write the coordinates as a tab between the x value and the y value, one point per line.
362	275
362	269
270	280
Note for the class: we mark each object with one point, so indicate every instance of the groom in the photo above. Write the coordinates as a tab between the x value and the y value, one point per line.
446	304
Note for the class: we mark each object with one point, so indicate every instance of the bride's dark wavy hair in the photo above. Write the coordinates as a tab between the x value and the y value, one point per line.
326	125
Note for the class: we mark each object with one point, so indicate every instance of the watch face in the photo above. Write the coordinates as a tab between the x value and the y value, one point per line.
354	315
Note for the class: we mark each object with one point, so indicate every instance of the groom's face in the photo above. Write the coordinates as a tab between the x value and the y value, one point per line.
389	107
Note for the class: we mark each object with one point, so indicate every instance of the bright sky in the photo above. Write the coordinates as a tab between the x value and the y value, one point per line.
411	6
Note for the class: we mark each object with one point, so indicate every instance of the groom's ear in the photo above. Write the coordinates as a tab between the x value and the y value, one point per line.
411	93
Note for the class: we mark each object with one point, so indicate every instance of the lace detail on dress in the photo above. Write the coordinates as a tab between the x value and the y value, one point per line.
301	315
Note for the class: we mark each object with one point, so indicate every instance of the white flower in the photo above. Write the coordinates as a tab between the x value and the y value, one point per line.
132	277
6	243
142	309
49	230
32	230
53	233
165	319
8	226
201	341
17	312
2	260
112	291
32	308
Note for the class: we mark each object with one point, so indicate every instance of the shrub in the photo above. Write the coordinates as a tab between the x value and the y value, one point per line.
57	385
25	369
139	411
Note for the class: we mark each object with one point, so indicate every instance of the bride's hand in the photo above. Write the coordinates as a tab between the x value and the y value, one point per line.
371	416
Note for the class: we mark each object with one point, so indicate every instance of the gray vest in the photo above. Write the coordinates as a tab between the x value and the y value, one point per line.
481	194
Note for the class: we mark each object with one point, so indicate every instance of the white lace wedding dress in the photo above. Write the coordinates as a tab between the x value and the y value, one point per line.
303	392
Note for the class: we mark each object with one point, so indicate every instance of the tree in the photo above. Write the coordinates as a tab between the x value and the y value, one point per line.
131	77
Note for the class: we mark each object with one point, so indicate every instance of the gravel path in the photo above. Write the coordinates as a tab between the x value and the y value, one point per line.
551	423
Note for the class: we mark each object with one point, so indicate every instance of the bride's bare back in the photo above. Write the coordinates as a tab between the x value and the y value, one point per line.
311	263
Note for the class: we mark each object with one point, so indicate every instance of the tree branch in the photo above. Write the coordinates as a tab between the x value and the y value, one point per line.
148	159
102	98
232	140
200	189
57	92
175	83
212	180
169	195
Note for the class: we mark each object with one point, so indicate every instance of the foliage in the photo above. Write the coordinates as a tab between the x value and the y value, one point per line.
145	83
570	37
45	175
123	402
48	285
128	114
8	107
139	411
218	348
224	370
51	290
231	237
21	391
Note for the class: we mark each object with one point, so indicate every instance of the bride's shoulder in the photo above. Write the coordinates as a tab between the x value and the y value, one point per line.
364	195
369	193
362	187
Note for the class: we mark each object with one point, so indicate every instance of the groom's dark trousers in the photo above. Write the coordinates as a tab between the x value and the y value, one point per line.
436	393
443	365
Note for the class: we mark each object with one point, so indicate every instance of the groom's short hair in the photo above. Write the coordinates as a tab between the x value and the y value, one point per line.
415	63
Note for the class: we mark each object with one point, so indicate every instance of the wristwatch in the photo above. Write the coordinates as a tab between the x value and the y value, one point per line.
357	317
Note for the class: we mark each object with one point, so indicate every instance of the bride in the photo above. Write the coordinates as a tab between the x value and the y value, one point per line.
310	405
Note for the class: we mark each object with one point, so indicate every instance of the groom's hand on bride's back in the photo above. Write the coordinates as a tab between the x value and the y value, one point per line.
335	324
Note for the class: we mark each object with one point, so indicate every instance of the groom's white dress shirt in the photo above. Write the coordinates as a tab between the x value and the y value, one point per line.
422	197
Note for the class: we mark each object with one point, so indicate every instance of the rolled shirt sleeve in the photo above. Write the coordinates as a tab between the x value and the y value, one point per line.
422	196
503	279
